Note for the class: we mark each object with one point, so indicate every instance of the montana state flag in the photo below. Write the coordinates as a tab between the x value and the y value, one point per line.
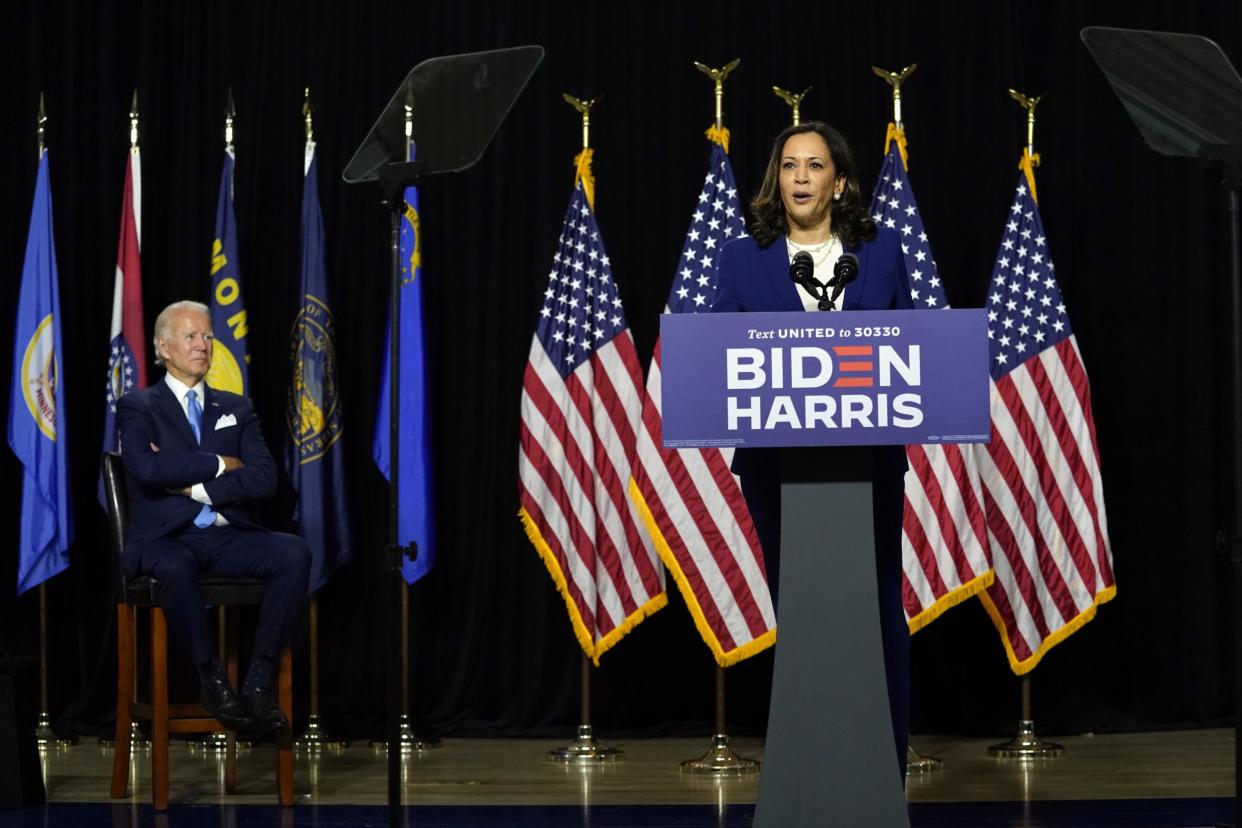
230	362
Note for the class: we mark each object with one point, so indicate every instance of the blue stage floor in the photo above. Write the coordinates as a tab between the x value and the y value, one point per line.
1135	813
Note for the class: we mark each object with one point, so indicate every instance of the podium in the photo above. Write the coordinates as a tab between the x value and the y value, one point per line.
830	757
823	389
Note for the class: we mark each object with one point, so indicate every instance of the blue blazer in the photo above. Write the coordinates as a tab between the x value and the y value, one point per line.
753	279
229	427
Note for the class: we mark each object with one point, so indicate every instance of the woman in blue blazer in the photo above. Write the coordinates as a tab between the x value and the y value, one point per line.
810	202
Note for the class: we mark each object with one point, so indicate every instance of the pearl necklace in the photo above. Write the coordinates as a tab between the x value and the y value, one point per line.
826	246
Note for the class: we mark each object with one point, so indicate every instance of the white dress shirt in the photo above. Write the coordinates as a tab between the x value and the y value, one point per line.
180	390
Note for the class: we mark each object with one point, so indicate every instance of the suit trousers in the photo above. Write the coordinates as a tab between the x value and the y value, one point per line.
763	499
281	559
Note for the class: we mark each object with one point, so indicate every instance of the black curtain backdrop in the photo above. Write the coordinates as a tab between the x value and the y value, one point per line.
1139	241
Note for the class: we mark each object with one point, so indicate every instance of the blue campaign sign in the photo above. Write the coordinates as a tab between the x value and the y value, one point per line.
848	378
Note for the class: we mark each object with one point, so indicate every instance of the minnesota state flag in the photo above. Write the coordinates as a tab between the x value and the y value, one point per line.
37	430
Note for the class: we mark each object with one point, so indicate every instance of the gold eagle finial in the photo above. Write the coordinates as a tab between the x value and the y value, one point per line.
1029	104
793	100
718	77
894	79
583	106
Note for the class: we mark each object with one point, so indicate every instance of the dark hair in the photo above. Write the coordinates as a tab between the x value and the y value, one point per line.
849	217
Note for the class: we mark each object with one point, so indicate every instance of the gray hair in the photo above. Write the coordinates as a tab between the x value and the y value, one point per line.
164	321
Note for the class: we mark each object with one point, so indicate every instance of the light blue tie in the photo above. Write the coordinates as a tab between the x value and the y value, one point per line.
206	517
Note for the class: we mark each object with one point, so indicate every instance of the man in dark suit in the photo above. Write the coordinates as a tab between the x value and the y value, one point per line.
196	462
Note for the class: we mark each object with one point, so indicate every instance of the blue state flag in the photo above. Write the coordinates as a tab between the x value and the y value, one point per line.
314	456
37	430
230	361
415	522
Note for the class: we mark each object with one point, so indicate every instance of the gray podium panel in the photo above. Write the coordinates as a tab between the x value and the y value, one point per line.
829	759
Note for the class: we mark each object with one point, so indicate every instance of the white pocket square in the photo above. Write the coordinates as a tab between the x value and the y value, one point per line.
225	421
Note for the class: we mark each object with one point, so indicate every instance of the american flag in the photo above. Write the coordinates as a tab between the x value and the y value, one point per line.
581	404
689	499
1043	494
944	545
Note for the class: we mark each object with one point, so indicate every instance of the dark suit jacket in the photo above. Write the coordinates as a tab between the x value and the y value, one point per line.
755	279
154	415
752	278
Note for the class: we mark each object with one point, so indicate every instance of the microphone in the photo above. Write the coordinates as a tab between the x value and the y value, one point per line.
844	272
802	271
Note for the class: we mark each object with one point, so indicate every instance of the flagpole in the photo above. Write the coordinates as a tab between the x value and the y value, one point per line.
411	742
915	762
406	734
794	101
394	554
41	124
720	760
406	737
584	749
44	735
1026	744
313	739
225	740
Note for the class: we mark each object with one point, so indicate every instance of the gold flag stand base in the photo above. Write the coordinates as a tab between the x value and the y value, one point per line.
137	739
217	740
720	760
1026	745
585	750
45	737
917	763
314	739
407	738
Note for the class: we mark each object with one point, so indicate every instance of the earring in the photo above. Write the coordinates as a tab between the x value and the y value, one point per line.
836	196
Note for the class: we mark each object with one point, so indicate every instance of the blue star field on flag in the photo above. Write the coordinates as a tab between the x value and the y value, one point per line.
1026	313
893	206
717	220
581	310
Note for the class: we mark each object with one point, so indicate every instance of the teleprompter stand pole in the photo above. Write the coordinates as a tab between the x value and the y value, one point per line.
1185	98
460	101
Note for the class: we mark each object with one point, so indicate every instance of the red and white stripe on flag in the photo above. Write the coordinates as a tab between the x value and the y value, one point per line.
695	511
580	411
1042	488
944	545
1044	499
127	292
690	501
943	537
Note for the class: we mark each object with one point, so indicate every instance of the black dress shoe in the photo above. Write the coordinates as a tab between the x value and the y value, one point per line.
264	713
223	703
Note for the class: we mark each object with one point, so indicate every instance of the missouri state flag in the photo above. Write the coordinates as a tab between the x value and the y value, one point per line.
127	353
